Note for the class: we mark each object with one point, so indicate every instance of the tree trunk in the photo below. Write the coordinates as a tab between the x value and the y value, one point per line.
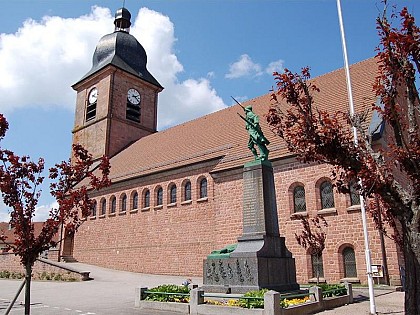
28	277
412	272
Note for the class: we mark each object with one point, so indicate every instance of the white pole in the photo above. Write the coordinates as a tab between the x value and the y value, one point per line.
362	203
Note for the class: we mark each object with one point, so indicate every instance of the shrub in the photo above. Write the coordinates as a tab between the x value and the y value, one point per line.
57	277
330	290
169	288
5	274
258	302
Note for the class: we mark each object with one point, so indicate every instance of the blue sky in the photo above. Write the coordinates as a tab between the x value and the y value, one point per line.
202	52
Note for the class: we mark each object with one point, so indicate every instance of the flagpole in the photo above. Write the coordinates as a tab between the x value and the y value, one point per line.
362	203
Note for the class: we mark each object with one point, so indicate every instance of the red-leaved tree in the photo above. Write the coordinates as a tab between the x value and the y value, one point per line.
20	180
313	238
391	174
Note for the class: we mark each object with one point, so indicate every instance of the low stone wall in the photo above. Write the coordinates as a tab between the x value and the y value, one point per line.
10	262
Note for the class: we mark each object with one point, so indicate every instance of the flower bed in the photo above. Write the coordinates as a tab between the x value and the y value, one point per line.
186	301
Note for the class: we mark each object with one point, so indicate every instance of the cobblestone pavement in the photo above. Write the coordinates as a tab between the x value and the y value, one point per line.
112	292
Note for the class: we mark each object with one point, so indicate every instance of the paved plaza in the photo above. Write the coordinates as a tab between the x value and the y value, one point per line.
112	292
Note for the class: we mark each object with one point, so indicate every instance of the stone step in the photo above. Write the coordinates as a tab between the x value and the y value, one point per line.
68	259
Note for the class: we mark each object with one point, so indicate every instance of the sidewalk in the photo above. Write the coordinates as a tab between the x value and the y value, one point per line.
112	292
387	301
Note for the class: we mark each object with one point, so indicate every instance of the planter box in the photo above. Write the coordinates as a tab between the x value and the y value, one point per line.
334	302
204	309
183	308
271	301
302	309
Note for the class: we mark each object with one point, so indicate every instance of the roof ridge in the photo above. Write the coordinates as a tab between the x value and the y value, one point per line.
342	68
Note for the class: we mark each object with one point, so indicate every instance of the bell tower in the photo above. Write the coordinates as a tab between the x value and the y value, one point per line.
117	99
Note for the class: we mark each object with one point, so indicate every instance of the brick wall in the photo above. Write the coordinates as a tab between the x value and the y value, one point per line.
12	263
175	238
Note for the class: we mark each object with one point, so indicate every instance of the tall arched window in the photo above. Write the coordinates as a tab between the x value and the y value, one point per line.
354	194
299	201
159	196
124	203
349	260
113	204
327	195
93	211
203	188
172	194
103	206
317	266
146	201
135	200
187	191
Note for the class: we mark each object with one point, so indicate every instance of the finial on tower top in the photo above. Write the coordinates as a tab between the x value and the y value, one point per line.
122	20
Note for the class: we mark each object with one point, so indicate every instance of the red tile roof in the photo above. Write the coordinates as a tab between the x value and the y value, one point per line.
4	228
222	135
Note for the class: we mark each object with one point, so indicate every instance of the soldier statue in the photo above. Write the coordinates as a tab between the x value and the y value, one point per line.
256	136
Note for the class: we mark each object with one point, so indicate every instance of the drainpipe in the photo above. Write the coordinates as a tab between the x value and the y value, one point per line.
383	249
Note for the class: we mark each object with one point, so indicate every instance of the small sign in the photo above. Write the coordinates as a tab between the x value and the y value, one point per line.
377	271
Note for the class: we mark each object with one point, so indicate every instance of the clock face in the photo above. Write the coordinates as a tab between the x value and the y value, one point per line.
133	96
93	95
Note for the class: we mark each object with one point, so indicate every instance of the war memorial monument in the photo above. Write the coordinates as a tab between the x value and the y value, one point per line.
260	259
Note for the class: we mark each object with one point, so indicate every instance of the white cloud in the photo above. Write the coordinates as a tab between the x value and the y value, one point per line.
41	212
275	66
40	62
191	98
243	67
179	101
4	211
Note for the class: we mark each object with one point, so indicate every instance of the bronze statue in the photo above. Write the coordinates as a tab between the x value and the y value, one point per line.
256	136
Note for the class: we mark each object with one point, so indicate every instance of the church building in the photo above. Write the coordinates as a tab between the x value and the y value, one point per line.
176	195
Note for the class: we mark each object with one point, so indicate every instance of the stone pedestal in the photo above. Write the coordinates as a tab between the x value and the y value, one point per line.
261	259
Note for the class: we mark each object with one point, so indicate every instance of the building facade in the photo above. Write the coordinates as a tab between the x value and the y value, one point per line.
176	195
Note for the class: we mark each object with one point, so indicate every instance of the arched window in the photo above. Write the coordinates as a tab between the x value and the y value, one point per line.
159	196
172	194
187	191
113	204
124	203
103	206
146	200
327	195
299	201
349	260
354	194
317	266
93	211
135	200
203	188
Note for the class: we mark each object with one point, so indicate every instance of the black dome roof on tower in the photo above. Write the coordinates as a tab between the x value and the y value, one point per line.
121	50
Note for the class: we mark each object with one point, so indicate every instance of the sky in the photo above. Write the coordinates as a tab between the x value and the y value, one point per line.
201	51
